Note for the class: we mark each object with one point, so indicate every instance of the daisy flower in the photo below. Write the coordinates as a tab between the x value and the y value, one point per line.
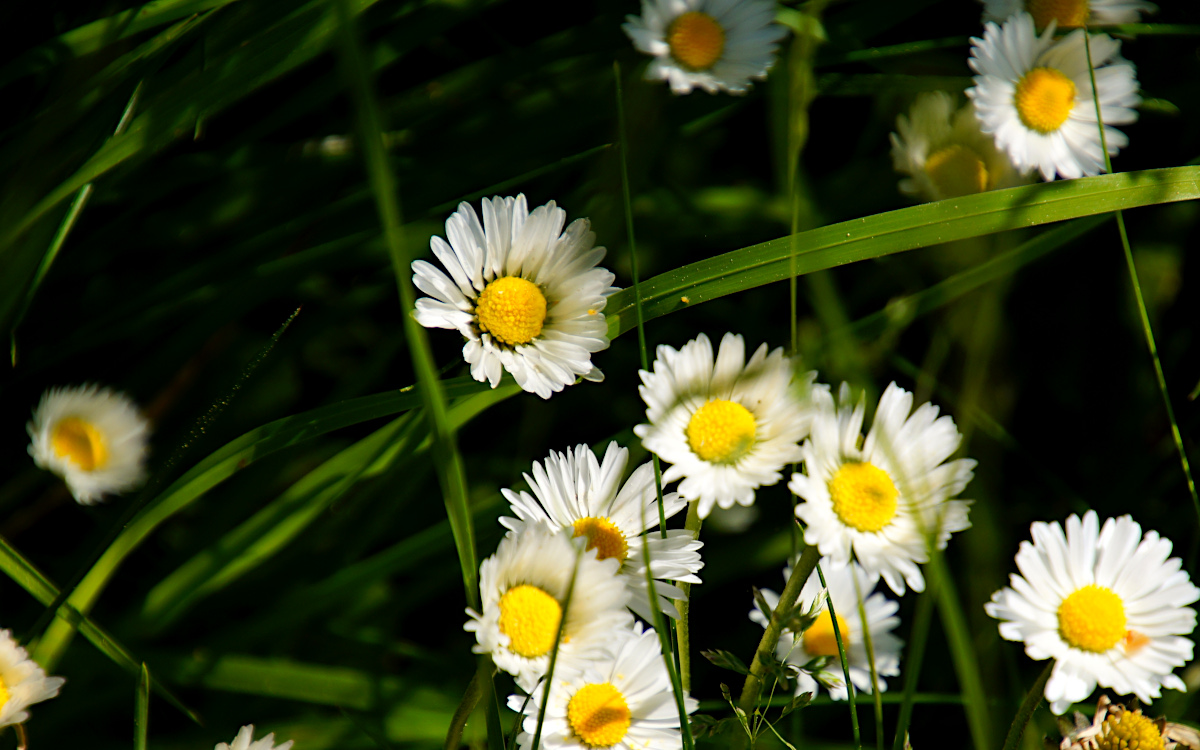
574	490
712	44
1115	727
243	741
888	500
726	426
1068	13
523	587
622	700
22	682
1105	603
525	294
944	153
819	640
92	437
1034	96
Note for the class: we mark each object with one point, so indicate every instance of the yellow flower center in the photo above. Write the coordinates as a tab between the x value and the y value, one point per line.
79	442
1044	99
863	496
512	309
957	171
1092	619
1066	12
598	714
529	617
1129	730
819	639
721	431
603	536
3	693
696	40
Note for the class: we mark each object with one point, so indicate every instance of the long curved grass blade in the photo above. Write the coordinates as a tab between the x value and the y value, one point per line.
1032	699
962	652
141	711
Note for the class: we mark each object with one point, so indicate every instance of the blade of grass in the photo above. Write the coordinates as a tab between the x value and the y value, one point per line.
837	636
1032	700
141	712
918	637
962	652
868	642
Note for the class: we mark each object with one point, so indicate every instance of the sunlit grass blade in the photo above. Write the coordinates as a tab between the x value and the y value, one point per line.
918	637
1032	699
962	652
851	697
141	710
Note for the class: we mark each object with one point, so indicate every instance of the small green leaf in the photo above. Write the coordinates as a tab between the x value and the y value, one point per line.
800	701
725	660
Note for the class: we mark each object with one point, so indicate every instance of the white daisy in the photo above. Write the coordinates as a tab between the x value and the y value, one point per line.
944	153
819	640
93	437
523	587
243	741
726	426
1105	603
890	499
526	295
22	682
713	44
574	490
1034	96
1068	13
622	700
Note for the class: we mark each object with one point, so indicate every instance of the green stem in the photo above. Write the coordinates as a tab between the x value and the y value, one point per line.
966	664
868	641
1032	699
837	636
683	631
916	654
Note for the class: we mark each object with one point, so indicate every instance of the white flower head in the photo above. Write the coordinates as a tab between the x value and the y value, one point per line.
524	587
846	584
726	426
944	153
1034	96
711	44
22	682
1068	13
245	741
93	437
889	499
574	490
527	295
1105	603
621	700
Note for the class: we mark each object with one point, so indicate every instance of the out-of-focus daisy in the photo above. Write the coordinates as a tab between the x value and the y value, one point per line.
944	153
887	500
574	490
524	587
1106	604
712	44
726	426
526	295
1034	96
1068	13
245	741
93	437
621	700
819	639
22	682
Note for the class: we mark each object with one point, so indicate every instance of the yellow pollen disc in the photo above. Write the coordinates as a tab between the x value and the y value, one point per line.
696	40
1044	98
529	617
79	442
819	639
512	309
1092	619
721	431
3	693
1068	13
1129	730
603	536
863	496
598	714
957	171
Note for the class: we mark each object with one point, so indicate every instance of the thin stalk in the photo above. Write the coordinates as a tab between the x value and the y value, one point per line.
141	712
922	619
1137	292
868	641
558	637
962	652
475	690
683	631
1032	699
837	636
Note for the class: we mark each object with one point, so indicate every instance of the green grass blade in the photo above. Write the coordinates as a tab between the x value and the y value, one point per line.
918	637
962	651
1032	699
141	711
841	644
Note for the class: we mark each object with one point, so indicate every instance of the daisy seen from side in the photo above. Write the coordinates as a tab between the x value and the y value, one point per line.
1069	13
726	425
714	45
621	699
22	682
93	437
1034	96
887	498
523	589
1107	604
526	294
245	741
574	490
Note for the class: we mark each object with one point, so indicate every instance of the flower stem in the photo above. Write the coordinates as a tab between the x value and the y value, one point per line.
1032	699
683	632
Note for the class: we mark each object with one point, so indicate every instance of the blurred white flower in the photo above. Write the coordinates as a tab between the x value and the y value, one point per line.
22	682
1068	13
243	741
